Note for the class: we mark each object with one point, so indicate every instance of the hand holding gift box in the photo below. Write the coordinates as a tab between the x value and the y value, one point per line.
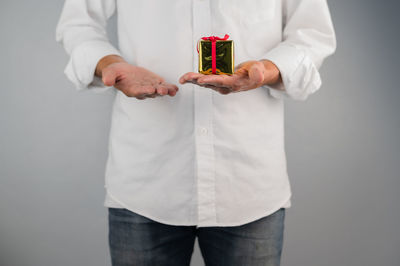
217	71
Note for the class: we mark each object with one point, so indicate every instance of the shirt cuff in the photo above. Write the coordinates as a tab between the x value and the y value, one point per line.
81	66
300	77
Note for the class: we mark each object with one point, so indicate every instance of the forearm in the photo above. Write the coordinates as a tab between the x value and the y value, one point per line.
307	41
106	61
82	31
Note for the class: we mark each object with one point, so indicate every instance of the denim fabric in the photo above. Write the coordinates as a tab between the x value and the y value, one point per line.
136	240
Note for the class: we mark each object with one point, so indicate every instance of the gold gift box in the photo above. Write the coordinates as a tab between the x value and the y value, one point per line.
224	57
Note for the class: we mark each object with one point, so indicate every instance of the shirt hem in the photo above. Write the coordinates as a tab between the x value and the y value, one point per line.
144	213
248	220
253	218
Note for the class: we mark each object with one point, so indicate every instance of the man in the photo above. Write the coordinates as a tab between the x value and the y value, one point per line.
193	155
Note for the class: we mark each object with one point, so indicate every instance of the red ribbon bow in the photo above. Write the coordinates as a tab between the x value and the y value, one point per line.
214	40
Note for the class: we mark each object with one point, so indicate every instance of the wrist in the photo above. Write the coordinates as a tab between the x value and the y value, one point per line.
105	62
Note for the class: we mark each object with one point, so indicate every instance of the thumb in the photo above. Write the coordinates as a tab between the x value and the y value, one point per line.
256	73
109	77
241	69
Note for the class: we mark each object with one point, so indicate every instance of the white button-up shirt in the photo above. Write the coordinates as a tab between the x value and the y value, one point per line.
200	157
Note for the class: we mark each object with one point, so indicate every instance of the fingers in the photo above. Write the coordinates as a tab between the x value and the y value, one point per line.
217	80
225	84
172	89
161	90
151	91
167	88
220	83
190	77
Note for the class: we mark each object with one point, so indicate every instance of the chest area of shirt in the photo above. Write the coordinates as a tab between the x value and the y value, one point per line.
240	12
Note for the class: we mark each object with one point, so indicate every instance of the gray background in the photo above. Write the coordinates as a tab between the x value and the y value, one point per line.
342	143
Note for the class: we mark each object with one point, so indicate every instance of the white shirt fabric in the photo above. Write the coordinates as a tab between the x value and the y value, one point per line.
199	158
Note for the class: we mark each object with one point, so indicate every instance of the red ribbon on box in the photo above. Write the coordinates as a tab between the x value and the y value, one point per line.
214	40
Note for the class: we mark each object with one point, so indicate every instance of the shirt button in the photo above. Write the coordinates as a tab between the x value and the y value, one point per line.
203	131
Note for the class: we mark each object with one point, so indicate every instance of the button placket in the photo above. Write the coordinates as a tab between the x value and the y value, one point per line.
203	131
203	109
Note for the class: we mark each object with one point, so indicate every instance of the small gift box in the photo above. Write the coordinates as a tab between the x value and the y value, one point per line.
216	55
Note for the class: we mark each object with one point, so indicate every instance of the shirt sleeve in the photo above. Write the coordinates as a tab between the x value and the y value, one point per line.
82	31
308	38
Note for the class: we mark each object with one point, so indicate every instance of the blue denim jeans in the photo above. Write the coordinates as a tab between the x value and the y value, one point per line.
135	240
